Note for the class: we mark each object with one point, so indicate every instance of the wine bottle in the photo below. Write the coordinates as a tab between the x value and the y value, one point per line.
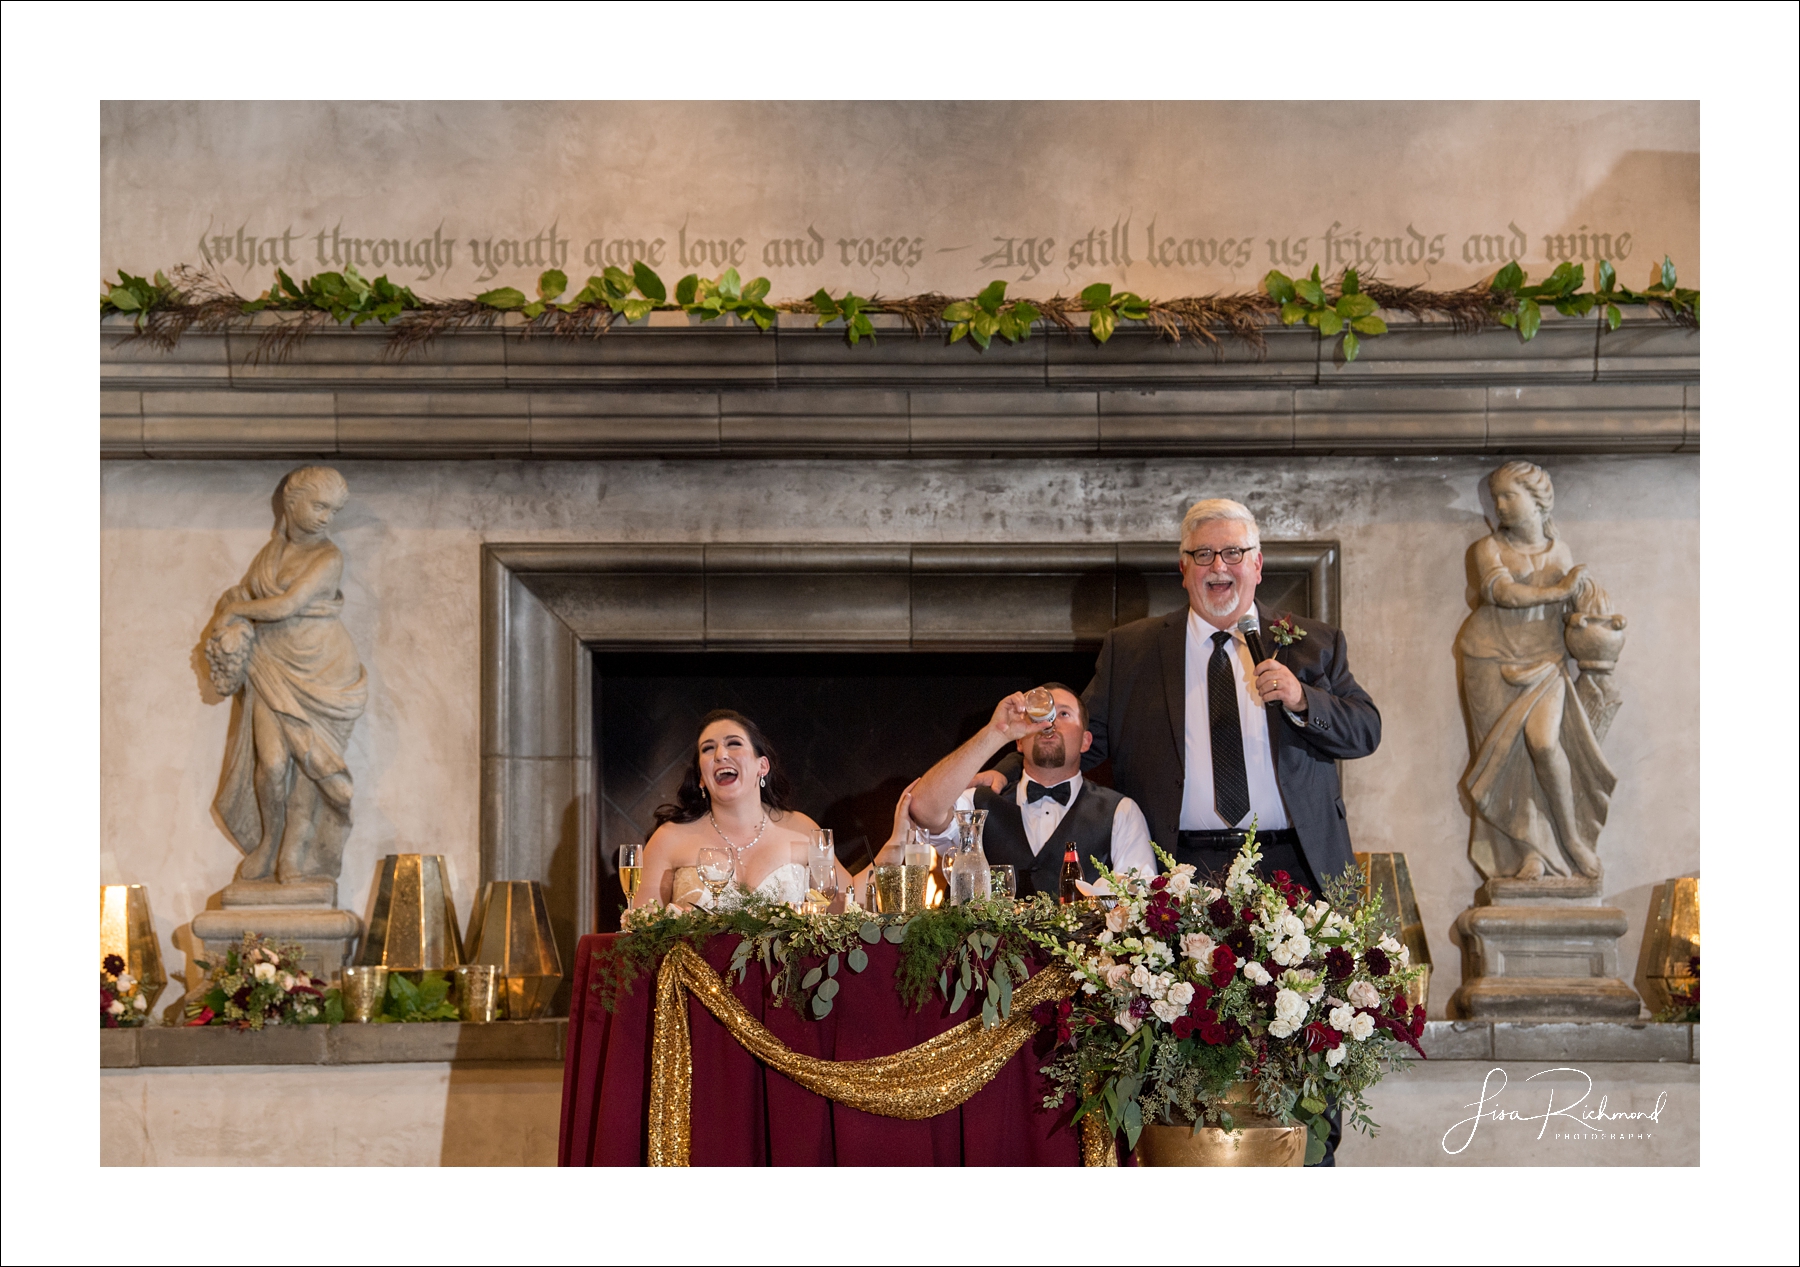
1071	872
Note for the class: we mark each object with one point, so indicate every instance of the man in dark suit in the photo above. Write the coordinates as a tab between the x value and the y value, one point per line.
1168	689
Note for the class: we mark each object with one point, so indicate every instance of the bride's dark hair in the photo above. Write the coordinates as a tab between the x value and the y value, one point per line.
690	803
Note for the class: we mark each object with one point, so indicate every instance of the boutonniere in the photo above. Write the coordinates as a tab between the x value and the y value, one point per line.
1286	632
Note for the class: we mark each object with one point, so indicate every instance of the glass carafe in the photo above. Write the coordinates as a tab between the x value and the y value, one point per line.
969	879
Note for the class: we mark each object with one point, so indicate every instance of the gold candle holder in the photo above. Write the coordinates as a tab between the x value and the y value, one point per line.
364	991
413	928
511	931
1671	941
478	991
128	931
1387	878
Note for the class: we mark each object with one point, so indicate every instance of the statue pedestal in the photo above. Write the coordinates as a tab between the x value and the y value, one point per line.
300	911
1542	949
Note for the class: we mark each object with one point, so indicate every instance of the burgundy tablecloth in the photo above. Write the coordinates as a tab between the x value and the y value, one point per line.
746	1114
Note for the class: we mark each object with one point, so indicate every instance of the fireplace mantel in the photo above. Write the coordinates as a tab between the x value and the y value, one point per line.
671	388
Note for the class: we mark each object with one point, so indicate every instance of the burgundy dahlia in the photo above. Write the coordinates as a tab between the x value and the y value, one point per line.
112	965
1221	913
1377	960
1264	995
1242	942
1339	963
1161	916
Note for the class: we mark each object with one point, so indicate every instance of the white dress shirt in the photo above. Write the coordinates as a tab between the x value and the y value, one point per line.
1198	812
1130	833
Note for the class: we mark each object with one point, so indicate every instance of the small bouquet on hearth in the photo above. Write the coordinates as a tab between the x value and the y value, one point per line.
122	1001
260	983
1187	990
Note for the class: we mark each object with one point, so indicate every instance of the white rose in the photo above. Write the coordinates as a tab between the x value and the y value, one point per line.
1362	1026
126	981
1290	1007
1388	944
1363	994
1117	974
115	1007
265	972
1180	884
1335	1056
1117	918
1279	1028
1301	946
1212	895
1291	926
1257	974
1405	957
1143	979
1165	1011
1127	1021
1342	1018
1105	937
141	1003
1197	946
1283	953
287	981
1181	994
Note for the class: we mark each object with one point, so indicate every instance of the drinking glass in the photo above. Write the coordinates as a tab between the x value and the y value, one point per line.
1005	881
1040	706
716	869
821	878
631	871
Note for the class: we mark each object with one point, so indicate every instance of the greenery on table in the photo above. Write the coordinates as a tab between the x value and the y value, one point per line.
165	306
427	999
963	952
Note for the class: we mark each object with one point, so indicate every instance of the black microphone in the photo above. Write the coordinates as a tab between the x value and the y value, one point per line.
1251	628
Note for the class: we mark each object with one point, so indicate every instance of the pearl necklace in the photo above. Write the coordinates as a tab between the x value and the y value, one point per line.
764	826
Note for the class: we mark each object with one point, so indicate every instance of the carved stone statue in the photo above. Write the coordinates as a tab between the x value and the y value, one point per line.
1537	785
275	643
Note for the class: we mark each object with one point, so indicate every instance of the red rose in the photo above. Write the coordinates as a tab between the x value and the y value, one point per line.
1044	1014
1219	1033
1160	883
1418	1021
1203	994
1248	915
1183	1026
1224	966
1321	1037
1401	1007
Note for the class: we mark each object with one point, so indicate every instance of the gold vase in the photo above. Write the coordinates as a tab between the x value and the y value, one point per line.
1258	1140
128	931
512	932
413	927
1388	880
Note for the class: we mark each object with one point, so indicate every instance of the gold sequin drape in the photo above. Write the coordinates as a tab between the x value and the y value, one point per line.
923	1081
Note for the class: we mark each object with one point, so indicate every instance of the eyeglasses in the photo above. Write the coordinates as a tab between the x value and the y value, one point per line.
1233	555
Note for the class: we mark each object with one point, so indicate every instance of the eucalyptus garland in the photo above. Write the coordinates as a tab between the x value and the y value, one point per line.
960	953
1346	308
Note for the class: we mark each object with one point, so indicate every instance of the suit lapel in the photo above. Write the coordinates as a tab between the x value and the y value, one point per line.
1172	644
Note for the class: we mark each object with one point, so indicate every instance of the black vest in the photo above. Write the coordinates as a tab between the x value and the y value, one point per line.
1088	825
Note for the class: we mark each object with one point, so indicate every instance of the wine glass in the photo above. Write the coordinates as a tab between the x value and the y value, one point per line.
716	869
631	871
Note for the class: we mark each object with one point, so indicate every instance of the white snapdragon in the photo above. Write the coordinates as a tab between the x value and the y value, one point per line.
1342	1017
1242	876
1335	1056
1181	994
1362	1026
1165	1011
1197	946
1364	995
1256	973
1157	952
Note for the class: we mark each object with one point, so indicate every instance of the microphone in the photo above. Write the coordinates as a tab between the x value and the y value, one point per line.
1251	628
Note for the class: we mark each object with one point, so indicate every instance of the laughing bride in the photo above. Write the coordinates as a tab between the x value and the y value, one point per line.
734	796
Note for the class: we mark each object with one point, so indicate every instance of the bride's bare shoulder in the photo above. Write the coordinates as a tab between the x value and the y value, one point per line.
792	820
672	844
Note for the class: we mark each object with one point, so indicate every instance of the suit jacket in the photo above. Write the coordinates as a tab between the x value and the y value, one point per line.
1137	711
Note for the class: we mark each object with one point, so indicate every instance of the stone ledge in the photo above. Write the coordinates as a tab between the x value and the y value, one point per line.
154	1046
1599	1041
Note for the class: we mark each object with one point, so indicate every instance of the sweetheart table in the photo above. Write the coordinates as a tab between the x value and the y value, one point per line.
744	1113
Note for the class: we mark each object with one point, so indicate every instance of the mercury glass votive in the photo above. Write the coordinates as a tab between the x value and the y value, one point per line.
364	989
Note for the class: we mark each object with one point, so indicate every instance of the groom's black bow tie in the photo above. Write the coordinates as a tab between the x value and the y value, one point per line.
1037	792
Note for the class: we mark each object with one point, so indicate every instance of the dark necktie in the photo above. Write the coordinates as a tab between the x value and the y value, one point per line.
1037	791
1231	786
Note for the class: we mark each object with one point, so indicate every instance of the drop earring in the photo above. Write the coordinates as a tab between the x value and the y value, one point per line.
764	781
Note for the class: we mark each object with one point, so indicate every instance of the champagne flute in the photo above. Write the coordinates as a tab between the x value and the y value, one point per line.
631	871
716	869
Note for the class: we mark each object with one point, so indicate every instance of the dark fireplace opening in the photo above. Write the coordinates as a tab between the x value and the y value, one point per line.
851	729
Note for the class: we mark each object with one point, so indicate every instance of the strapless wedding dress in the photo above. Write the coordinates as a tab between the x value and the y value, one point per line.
787	883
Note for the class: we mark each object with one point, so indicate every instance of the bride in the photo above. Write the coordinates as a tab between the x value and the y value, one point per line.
734	796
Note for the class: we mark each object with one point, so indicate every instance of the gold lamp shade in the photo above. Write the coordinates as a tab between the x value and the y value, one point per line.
413	927
1671	941
126	930
1387	879
512	931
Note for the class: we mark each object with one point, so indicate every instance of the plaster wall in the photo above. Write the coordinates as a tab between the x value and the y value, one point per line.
1168	198
176	534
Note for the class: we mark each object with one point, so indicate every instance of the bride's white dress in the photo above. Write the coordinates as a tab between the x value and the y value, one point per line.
786	883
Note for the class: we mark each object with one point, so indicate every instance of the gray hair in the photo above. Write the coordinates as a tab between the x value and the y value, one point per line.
1210	508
